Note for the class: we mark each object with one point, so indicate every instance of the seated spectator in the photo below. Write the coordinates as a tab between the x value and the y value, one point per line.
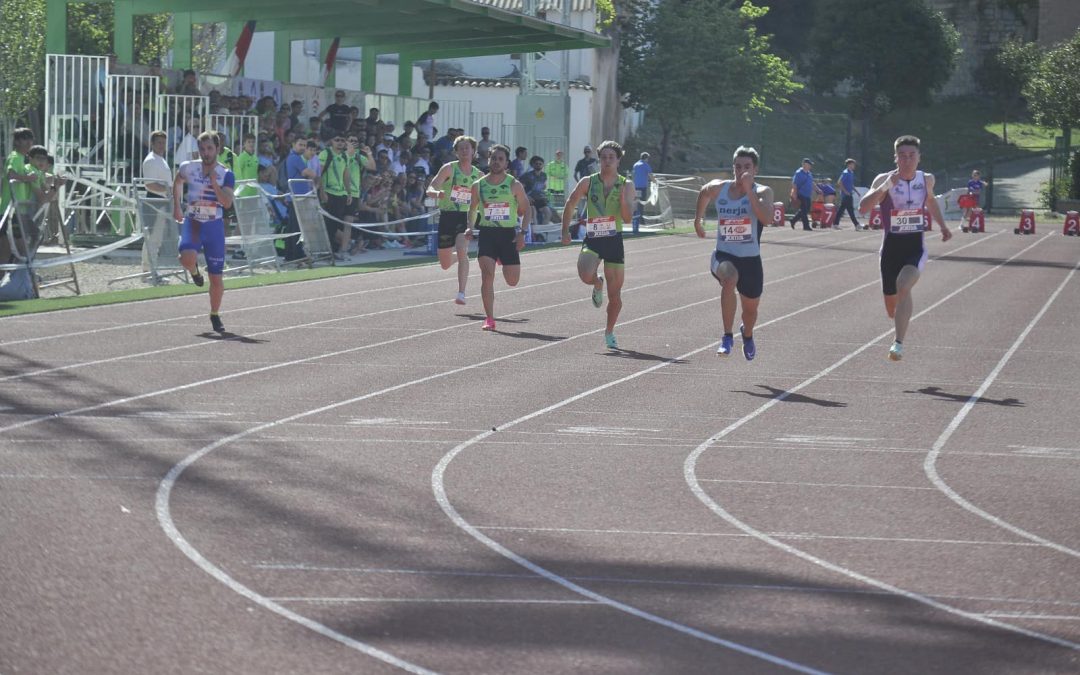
382	161
279	213
482	158
422	163
535	183
444	145
414	194
407	132
402	164
315	126
517	165
267	155
189	85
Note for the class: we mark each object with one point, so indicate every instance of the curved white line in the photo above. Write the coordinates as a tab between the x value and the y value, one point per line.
690	476
930	463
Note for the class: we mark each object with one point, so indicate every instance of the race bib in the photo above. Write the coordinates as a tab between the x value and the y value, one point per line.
497	212
601	226
735	230
904	221
460	194
203	211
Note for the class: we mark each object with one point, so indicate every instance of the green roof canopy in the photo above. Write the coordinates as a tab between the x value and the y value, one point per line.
416	29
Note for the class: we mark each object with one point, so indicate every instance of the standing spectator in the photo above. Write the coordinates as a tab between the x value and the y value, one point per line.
517	166
587	165
535	183
485	142
188	149
246	165
373	117
425	124
556	171
335	193
296	168
974	187
16	169
643	177
406	134
158	179
339	116
802	190
296	108
443	146
846	185
189	86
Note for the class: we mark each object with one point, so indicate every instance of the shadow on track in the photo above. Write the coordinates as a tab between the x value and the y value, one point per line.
641	356
774	392
940	395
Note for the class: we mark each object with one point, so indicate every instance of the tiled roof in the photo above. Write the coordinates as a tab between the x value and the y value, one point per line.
500	82
544	5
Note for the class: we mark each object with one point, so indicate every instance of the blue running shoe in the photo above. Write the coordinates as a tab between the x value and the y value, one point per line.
749	349
896	352
609	340
726	344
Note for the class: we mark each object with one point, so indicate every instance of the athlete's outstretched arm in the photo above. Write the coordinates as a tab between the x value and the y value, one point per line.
707	193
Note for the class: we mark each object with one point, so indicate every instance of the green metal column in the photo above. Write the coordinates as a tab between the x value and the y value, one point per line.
404	74
182	40
55	26
282	57
324	46
123	30
368	61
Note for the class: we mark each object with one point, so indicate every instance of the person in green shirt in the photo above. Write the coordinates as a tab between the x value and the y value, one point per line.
358	159
246	167
452	187
608	206
16	170
556	172
500	202
335	195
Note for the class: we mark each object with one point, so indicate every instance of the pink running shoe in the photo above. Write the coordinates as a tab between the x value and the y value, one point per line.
489	324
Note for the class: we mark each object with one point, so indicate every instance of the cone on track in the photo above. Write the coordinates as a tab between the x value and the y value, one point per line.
1072	224
1027	222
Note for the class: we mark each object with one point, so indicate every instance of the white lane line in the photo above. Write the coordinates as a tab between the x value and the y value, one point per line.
163	509
315	298
1036	617
445	601
337	319
42	476
802	484
690	471
778	535
930	464
284	364
305	567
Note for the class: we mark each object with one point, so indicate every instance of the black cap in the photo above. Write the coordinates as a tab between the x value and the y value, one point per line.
807	160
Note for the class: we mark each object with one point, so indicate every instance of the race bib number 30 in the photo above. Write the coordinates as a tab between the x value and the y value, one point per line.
906	220
735	230
203	211
459	194
601	226
497	212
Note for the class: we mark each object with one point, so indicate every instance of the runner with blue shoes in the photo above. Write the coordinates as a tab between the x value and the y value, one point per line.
742	208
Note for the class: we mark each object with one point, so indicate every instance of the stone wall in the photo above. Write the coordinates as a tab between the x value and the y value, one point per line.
1058	21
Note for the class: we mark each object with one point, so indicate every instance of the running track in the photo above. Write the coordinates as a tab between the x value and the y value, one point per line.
362	481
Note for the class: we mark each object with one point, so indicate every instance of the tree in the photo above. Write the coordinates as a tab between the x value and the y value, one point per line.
90	32
1003	73
680	57
893	54
22	67
1052	92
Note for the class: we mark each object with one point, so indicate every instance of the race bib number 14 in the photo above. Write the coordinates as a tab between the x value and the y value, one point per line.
735	230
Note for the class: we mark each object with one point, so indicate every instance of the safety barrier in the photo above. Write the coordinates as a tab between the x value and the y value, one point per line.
313	233
256	233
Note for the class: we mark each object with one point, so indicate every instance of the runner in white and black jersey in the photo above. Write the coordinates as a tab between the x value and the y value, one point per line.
742	208
906	197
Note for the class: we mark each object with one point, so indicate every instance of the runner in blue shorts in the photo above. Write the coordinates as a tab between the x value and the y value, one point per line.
503	209
209	193
742	206
609	204
905	195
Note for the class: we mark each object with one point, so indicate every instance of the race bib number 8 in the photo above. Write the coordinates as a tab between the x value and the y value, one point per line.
601	226
906	220
497	212
460	194
735	230
203	211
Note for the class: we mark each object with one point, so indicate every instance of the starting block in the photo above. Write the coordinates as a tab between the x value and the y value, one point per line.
1072	224
976	222
1027	222
778	214
876	223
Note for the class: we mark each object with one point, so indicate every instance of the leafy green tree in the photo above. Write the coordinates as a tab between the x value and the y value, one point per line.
681	57
1003	73
1053	92
22	66
892	54
90	32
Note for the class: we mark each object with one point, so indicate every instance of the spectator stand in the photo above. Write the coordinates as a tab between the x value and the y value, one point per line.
234	127
310	217
129	119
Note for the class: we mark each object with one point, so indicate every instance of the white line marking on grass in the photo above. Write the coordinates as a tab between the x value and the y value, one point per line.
690	471
930	464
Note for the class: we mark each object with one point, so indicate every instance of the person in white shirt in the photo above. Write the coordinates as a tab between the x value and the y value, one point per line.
188	149
158	179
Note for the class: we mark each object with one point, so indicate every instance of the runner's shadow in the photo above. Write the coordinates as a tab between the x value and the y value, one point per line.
940	395
211	335
532	336
640	356
481	317
774	392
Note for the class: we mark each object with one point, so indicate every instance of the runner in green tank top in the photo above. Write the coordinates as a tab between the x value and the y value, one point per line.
609	200
500	201
454	203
